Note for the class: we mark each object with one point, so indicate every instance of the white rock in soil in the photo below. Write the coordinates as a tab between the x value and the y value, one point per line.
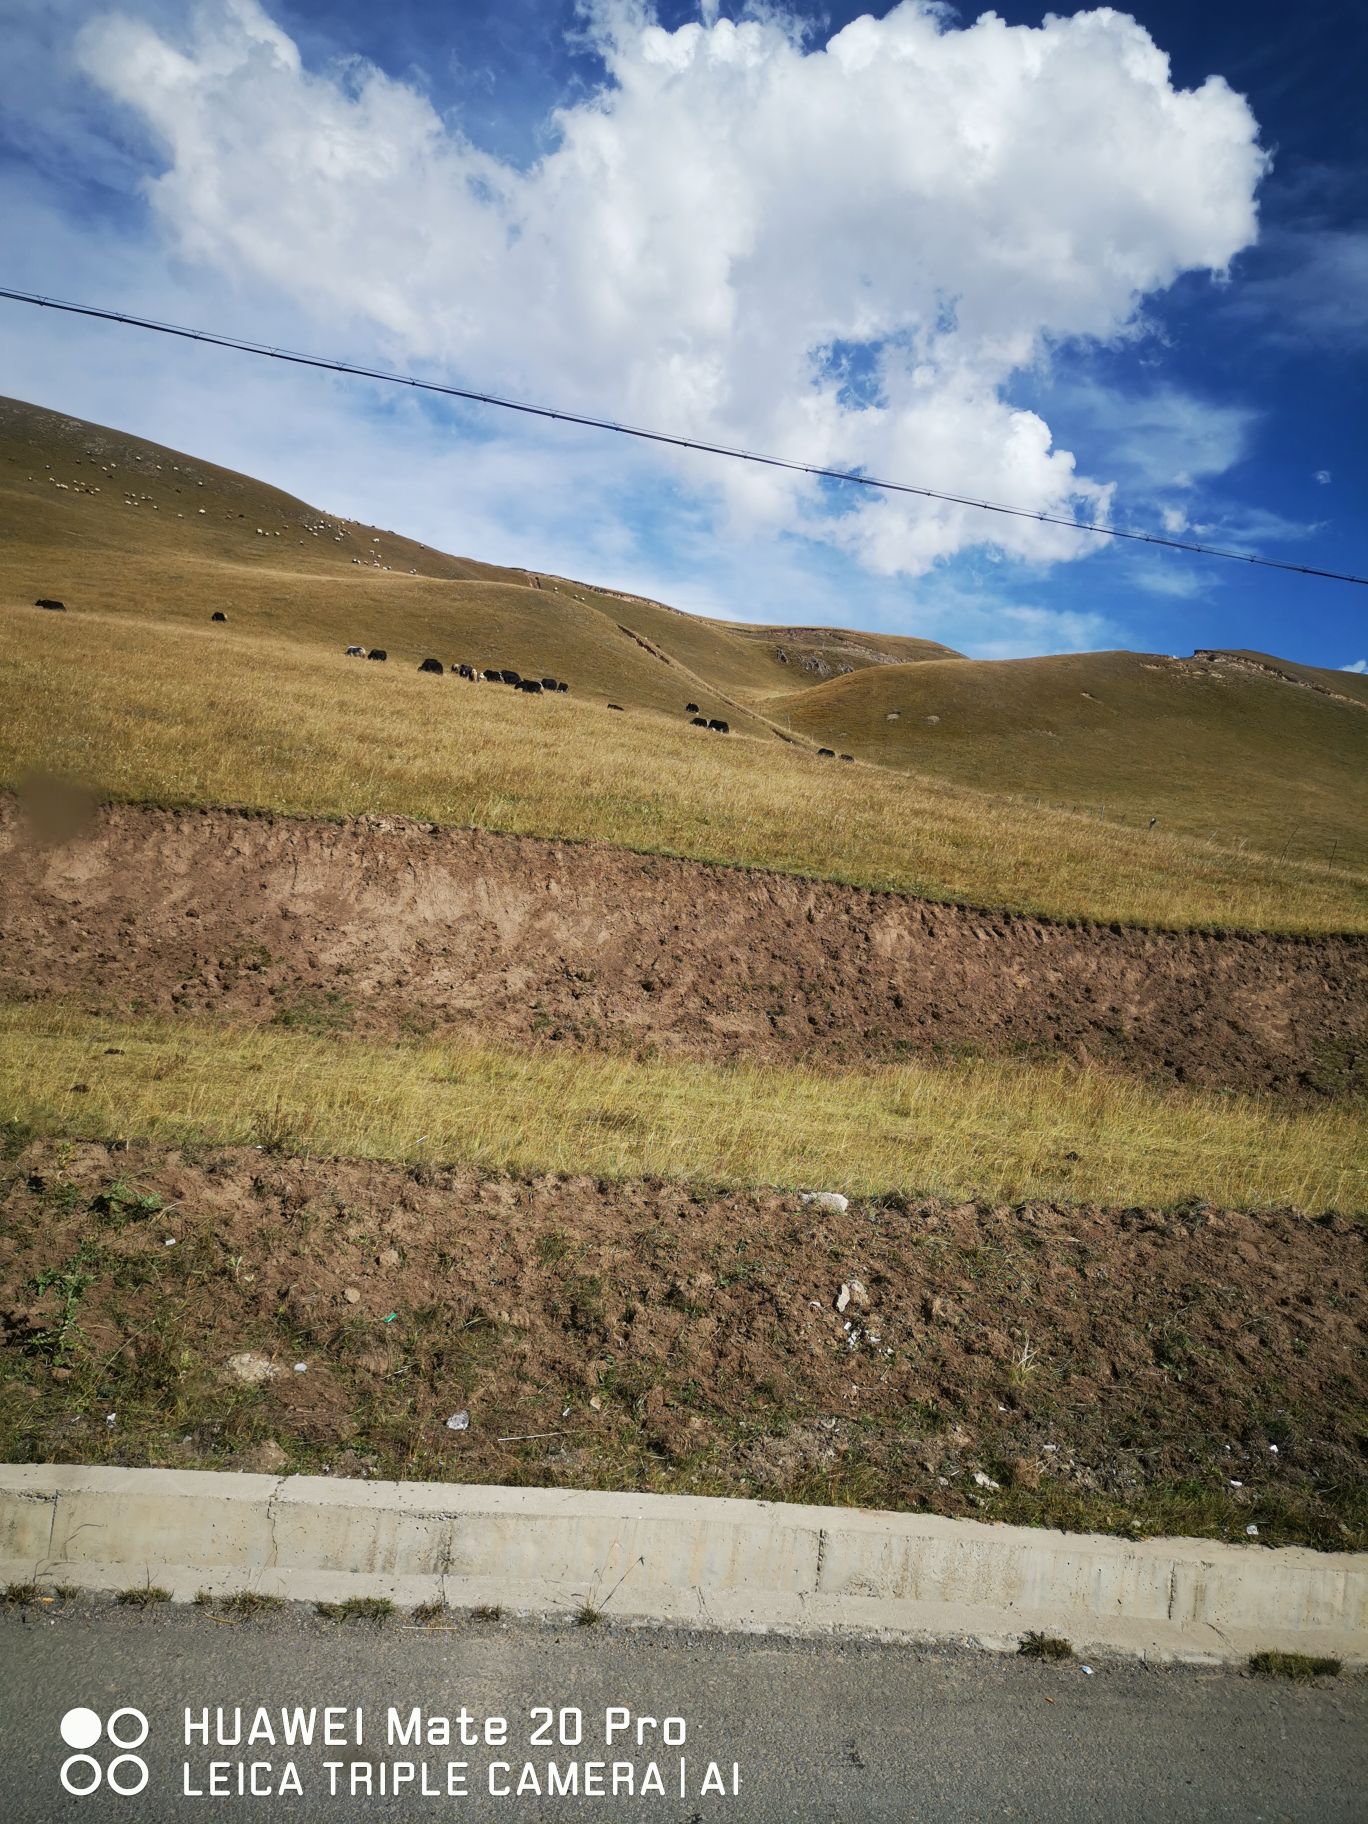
250	1368
826	1200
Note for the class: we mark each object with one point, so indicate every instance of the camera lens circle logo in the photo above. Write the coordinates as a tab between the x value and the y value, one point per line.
126	1773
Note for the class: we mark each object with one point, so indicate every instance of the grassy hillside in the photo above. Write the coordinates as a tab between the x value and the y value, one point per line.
1232	749
142	697
110	523
205	715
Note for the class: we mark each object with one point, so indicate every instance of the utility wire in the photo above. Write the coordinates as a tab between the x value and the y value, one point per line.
853	476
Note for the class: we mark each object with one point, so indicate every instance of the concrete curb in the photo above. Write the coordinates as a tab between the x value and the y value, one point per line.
747	1565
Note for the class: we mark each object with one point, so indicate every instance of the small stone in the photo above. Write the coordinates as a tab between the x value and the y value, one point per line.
301	1367
459	1421
843	1299
352	1296
858	1296
985	1481
826	1200
250	1368
596	1404
1252	1531
390	1257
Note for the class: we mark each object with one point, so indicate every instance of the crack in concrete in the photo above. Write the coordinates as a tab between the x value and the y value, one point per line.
274	1497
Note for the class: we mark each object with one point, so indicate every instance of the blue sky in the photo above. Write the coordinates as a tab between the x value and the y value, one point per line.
1023	260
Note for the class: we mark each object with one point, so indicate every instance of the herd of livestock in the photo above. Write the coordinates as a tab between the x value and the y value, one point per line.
491	674
532	687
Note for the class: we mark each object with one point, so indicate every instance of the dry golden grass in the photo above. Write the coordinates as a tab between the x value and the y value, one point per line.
204	716
998	1131
1256	753
112	524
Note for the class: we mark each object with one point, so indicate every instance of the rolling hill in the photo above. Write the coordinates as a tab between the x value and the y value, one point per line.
1238	748
91	516
1259	760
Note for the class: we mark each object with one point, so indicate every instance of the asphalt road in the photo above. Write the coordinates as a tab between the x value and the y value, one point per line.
820	1731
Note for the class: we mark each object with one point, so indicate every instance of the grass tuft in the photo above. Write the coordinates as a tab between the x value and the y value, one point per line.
247	1603
1044	1646
357	1608
1300	1667
142	1596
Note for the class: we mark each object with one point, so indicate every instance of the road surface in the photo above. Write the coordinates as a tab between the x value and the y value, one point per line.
810	1731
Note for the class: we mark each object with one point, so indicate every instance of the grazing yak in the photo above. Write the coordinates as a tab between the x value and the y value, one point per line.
826	753
531	686
698	721
467	672
550	684
691	709
616	706
218	615
356	652
722	728
44	602
847	756
377	652
562	685
511	677
431	665
491	676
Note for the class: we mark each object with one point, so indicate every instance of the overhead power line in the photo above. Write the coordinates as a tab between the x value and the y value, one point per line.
853	476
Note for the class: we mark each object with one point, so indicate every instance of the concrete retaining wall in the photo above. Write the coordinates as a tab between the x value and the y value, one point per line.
724	1564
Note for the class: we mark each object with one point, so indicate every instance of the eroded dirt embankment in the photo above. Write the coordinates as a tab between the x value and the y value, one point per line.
386	927
1196	1372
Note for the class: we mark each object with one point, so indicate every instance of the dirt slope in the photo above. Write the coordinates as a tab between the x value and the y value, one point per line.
1194	1373
399	927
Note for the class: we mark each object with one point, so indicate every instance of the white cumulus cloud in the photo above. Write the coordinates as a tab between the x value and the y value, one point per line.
735	223
1358	665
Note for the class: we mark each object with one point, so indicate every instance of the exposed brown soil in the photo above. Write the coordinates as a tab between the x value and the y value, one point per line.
387	927
1201	1372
